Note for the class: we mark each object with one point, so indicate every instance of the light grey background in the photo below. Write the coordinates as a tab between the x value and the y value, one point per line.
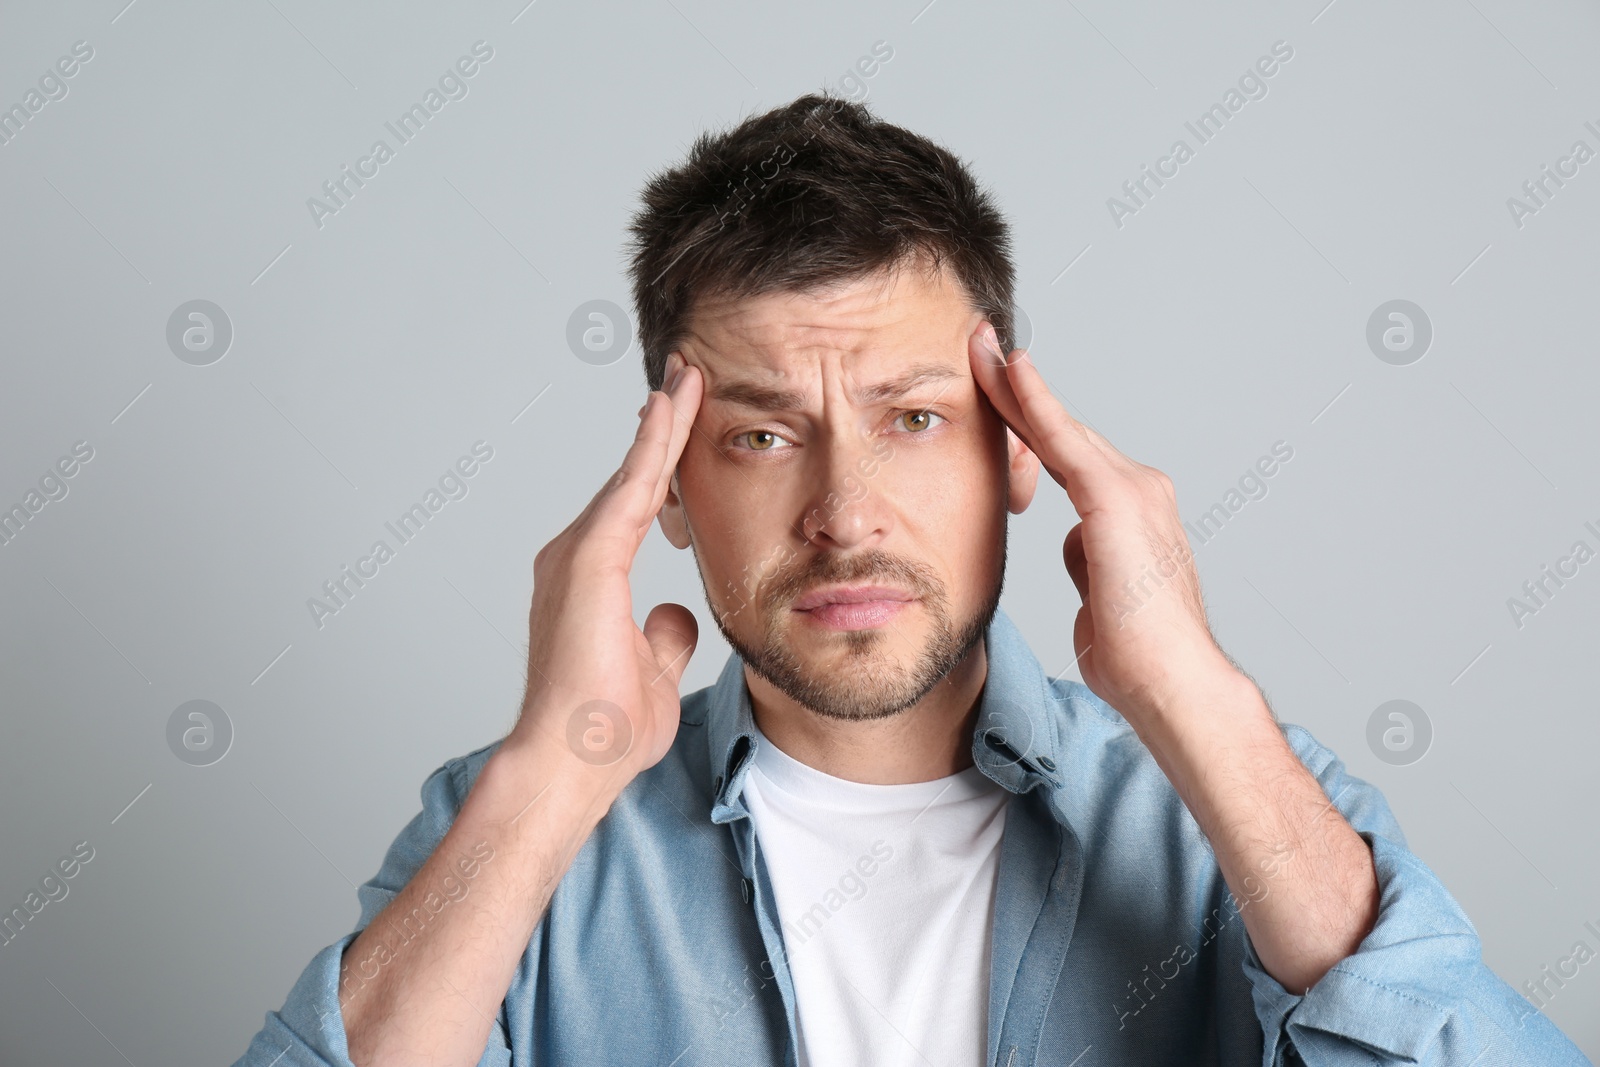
369	354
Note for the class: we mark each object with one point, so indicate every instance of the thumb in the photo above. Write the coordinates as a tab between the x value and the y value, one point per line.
673	633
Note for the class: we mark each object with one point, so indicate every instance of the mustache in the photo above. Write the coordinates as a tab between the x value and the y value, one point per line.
860	568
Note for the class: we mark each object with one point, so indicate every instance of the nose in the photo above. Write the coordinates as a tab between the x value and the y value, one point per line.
847	507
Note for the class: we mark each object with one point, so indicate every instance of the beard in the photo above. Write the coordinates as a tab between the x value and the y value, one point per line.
862	682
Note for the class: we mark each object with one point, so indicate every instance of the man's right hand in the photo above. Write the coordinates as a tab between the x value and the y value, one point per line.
601	706
596	681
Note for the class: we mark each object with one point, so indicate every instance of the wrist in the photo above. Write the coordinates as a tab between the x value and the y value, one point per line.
550	775
1212	710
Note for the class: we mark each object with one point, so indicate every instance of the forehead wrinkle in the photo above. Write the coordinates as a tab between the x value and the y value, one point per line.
782	337
775	351
777	398
842	318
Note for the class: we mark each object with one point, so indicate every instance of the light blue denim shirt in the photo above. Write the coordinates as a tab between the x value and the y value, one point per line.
1116	940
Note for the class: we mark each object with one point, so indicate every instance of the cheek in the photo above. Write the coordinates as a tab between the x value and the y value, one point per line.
734	518
950	490
951	501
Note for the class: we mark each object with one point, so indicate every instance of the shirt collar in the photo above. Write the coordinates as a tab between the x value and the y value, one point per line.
1015	741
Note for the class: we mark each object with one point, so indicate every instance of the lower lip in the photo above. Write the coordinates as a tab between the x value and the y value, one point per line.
862	616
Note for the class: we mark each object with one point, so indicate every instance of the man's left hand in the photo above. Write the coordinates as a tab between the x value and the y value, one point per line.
1145	648
1141	636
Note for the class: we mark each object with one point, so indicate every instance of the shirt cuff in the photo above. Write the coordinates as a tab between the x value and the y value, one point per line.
1389	994
1416	989
308	1031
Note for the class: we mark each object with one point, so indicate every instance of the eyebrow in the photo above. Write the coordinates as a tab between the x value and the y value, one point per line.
764	398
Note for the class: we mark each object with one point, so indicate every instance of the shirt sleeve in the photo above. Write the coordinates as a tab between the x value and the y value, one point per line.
1416	990
308	1031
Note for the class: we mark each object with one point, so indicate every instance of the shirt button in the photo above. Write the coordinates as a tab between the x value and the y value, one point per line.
716	786
1047	763
744	889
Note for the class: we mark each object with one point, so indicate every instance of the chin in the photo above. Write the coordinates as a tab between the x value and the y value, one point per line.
862	674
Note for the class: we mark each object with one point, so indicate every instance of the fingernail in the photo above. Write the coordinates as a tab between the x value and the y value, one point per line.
990	342
674	371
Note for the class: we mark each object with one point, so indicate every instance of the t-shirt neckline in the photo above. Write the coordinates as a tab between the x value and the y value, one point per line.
807	783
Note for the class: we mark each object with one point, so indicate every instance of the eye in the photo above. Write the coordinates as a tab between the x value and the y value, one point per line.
759	440
923	416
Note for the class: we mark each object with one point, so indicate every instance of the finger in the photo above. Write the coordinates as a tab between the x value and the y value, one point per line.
685	396
673	633
1082	643
1077	561
1028	386
623	507
1006	391
991	377
1083	462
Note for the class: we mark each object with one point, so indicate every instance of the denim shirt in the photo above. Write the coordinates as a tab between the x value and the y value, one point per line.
1116	939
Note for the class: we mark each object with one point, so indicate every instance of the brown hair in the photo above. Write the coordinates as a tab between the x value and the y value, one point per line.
816	193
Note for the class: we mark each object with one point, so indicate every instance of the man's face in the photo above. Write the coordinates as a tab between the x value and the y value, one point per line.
843	450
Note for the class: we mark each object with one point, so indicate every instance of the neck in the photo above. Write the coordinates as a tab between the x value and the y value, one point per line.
931	739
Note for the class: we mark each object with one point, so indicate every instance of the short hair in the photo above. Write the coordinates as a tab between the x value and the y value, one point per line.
811	195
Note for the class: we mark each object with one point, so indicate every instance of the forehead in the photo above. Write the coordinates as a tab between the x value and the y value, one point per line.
868	323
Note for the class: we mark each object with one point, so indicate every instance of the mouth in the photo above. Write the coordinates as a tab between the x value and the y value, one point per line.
853	607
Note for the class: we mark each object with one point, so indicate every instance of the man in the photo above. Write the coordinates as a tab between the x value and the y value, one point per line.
884	836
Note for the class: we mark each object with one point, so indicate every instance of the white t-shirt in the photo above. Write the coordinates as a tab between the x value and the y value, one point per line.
886	898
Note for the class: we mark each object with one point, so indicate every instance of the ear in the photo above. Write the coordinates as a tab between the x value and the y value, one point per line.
1024	473
673	522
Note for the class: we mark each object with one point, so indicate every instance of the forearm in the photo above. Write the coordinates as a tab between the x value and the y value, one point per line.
1303	877
424	981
